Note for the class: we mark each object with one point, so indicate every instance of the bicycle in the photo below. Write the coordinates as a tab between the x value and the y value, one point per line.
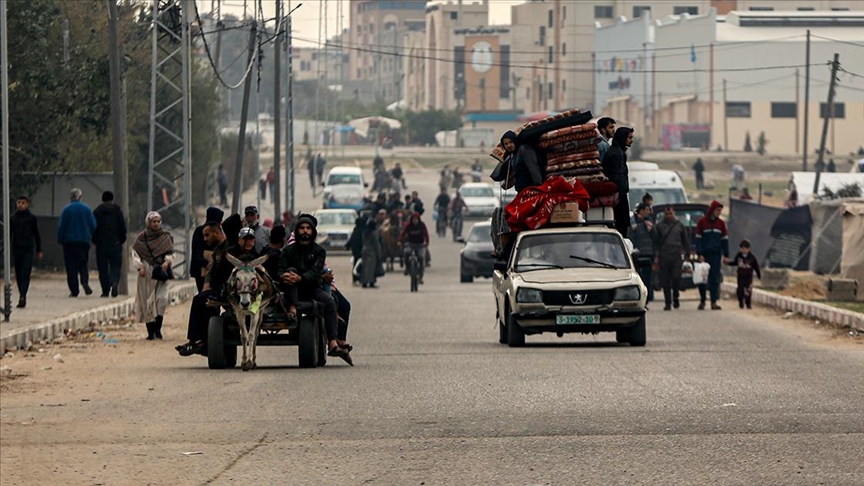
412	265
456	225
441	224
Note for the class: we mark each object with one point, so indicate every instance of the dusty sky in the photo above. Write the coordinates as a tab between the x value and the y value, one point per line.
306	18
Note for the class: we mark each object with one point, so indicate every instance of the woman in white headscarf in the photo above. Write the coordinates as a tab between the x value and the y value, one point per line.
153	248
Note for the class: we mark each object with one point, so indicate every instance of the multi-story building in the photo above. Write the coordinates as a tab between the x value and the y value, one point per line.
377	28
705	80
725	6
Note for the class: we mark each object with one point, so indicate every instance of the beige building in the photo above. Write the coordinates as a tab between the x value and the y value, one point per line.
725	6
375	36
305	63
755	59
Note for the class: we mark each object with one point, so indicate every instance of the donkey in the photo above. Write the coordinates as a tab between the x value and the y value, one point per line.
249	293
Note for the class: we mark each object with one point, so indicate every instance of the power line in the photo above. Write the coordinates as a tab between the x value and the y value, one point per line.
544	67
213	64
837	40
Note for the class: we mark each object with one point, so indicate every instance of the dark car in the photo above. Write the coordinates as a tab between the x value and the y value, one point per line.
475	258
689	214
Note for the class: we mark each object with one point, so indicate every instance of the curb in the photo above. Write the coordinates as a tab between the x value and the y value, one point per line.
816	310
79	320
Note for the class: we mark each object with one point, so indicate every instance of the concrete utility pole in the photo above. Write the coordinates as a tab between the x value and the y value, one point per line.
806	102
241	137
118	130
820	162
4	113
289	112
725	120
276	193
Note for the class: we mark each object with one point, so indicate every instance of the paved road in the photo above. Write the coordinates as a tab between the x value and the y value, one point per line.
714	398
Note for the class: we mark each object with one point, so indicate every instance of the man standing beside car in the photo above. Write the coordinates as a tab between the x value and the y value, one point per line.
671	247
640	233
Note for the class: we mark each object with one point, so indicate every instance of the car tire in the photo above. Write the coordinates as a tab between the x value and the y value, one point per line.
515	335
636	336
466	278
502	333
622	336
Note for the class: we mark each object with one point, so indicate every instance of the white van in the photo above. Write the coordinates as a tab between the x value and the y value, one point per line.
664	185
343	175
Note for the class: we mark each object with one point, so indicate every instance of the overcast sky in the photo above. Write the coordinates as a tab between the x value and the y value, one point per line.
306	17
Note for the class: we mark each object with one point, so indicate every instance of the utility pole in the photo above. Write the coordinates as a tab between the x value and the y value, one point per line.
276	193
806	102
797	116
4	120
725	120
118	130
241	137
820	163
289	112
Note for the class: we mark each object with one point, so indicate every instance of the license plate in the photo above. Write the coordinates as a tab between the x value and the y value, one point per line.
592	319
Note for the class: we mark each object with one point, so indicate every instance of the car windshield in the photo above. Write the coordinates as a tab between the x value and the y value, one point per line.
336	179
347	192
336	219
557	250
480	233
477	191
669	195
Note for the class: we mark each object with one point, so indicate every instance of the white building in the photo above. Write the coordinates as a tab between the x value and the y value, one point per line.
666	77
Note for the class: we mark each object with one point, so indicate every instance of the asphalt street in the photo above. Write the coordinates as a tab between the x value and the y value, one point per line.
726	397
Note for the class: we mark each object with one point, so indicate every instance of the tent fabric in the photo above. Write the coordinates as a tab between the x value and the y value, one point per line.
827	241
852	262
752	221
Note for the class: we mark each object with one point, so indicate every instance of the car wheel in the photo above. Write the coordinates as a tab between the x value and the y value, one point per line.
502	332
466	278
636	336
515	335
622	336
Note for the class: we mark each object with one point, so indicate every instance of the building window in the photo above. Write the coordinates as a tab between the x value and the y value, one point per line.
806	9
527	93
454	15
551	89
780	109
839	110
563	49
685	10
563	13
563	86
551	54
738	109
603	12
551	22
371	28
638	10
542	36
839	9
761	9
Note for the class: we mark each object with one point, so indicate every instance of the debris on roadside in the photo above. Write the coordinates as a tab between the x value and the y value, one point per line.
192	453
5	371
58	358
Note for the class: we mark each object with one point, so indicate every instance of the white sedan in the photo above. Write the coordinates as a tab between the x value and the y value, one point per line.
480	197
335	227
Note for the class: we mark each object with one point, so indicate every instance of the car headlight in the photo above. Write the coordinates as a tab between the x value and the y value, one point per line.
627	293
529	296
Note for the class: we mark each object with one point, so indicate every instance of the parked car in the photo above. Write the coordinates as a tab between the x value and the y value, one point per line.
569	279
664	185
480	197
345	196
335	227
475	257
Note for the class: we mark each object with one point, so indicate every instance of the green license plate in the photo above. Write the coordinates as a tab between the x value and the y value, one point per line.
593	319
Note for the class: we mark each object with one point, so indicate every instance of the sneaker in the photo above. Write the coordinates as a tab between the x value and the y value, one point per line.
676	304
667	307
714	306
72	296
191	348
749	306
701	306
87	289
115	290
740	305
22	302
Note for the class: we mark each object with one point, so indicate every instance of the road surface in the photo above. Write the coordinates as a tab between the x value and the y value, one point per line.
729	397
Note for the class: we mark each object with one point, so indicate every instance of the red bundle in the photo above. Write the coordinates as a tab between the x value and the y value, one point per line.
532	207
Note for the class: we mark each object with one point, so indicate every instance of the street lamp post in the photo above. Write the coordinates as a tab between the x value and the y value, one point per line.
4	90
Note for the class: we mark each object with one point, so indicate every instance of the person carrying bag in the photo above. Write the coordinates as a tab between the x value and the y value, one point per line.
153	252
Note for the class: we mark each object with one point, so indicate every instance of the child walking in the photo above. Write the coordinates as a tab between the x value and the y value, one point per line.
700	278
747	266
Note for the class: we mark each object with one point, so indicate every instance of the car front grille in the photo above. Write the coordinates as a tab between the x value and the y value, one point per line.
580	297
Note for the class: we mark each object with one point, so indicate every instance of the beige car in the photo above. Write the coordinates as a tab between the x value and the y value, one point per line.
569	279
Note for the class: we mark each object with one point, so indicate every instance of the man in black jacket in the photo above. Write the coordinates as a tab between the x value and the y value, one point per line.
109	237
200	248
300	270
26	244
615	169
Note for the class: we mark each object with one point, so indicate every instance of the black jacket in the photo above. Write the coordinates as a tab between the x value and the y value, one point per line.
307	260
530	168
110	225
24	231
615	168
199	246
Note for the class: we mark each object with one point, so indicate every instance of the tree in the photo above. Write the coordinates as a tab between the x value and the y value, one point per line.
420	127
761	142
747	146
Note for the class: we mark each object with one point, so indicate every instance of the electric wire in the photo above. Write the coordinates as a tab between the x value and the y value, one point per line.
213	64
837	40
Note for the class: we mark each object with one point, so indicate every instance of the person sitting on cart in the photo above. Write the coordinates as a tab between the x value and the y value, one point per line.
301	268
214	283
415	237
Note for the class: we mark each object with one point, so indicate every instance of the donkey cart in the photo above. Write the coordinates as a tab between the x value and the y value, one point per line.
306	332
